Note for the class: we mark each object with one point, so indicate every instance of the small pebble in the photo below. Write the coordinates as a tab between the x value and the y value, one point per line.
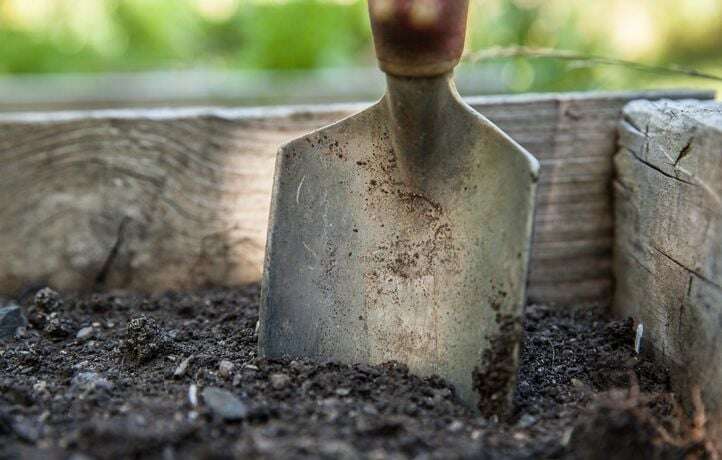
279	381
81	365
21	333
180	371
225	368
89	381
77	456
26	431
456	426
41	387
193	395
224	404
343	391
638	338
47	301
566	437
527	421
58	328
11	319
85	333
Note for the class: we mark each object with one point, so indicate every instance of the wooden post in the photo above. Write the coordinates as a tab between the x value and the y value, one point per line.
668	244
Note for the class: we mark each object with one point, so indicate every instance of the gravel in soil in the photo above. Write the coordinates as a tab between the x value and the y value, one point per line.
118	375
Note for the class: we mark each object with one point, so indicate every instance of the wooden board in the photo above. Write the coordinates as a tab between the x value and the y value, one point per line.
152	200
668	245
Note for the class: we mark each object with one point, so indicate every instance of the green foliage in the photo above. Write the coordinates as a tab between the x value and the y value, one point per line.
40	36
302	34
511	24
151	34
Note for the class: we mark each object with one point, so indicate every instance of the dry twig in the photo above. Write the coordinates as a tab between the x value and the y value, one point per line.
488	54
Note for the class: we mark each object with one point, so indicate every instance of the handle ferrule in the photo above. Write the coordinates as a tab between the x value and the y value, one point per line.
418	38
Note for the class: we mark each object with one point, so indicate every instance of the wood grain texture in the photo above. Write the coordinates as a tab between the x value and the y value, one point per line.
668	245
176	199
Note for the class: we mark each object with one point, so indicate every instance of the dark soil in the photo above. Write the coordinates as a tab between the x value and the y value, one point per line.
117	375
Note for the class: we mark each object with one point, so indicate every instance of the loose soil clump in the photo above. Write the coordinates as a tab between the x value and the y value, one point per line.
119	375
144	340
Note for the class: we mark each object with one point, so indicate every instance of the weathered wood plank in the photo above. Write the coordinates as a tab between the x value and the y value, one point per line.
176	199
577	292
668	247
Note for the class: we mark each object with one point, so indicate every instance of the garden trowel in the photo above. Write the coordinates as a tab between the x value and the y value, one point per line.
402	233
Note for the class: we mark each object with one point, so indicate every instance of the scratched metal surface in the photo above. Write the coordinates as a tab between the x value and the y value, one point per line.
401	233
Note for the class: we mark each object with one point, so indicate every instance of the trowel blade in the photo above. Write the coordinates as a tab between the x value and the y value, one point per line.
363	267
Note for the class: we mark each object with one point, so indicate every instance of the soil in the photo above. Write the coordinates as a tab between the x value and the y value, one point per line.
118	375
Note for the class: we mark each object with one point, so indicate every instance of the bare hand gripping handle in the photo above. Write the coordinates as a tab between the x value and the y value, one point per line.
418	38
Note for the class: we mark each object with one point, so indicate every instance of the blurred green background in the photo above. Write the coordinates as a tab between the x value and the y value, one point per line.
112	36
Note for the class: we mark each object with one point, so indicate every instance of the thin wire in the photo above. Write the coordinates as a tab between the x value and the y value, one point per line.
488	54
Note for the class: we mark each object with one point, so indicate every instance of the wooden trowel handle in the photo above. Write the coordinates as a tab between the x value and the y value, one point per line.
418	38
